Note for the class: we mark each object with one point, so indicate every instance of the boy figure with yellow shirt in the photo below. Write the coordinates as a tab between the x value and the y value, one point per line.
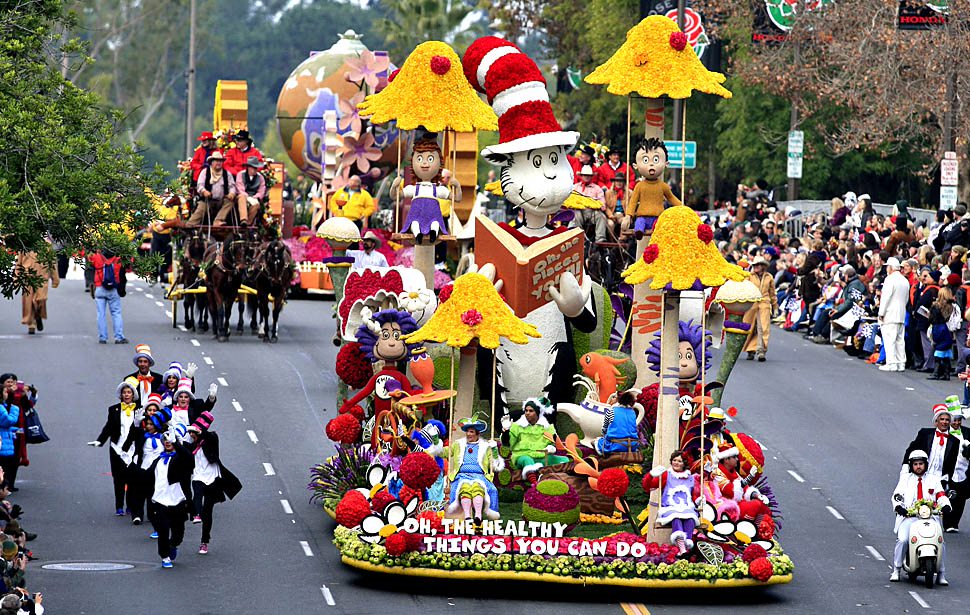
647	199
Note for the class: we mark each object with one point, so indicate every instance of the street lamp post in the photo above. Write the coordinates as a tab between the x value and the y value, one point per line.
190	85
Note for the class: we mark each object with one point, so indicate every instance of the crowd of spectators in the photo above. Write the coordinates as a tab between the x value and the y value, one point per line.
890	289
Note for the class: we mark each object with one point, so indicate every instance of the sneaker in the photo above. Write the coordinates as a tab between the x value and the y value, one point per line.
102	341
136	521
894	577
750	356
173	553
887	368
941	580
167	563
153	535
121	341
761	357
203	549
30	536
120	512
196	519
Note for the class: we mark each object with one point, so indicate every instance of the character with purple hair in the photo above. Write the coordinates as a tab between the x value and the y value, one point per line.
381	339
692	340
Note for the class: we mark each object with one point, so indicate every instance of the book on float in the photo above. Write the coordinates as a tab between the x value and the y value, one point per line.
527	271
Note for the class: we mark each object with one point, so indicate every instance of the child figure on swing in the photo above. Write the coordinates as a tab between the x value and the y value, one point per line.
677	507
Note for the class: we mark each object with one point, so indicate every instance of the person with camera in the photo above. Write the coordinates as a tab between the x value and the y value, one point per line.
20	602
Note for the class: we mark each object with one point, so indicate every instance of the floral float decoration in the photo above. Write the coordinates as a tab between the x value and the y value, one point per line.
656	61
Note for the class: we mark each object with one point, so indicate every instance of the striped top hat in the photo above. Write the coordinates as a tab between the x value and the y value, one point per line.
143	350
517	92
185	386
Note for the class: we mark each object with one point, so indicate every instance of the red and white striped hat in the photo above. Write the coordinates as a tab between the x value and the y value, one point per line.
517	92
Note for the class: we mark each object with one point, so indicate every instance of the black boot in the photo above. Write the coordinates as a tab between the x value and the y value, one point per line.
936	372
945	369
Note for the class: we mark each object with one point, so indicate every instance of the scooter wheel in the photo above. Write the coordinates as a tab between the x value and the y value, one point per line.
929	570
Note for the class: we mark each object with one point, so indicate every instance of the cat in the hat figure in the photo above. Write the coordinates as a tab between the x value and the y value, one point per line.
535	176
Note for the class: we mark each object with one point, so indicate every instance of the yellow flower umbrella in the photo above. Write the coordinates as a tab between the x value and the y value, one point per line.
655	61
682	255
431	91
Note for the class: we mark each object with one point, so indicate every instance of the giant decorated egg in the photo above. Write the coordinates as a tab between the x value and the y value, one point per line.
314	88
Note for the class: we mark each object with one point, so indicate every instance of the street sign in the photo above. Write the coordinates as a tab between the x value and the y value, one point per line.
949	170
948	197
794	166
675	154
796	147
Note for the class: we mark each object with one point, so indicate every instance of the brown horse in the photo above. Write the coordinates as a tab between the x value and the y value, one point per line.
274	272
190	265
226	266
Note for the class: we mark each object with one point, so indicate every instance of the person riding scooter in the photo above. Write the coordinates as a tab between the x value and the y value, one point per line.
914	486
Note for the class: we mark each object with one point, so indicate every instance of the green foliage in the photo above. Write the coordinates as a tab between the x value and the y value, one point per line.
62	176
411	22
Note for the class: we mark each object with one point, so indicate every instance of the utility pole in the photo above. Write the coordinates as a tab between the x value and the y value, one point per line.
190	86
793	125
949	113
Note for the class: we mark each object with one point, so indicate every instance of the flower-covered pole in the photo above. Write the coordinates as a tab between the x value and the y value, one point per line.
474	315
430	93
654	61
736	298
340	233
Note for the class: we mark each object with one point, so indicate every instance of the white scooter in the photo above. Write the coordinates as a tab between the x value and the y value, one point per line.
925	546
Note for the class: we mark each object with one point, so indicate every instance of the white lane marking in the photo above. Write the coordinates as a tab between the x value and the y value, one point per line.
222	381
159	304
910	389
835	513
208	360
306	548
149	296
252	436
182	328
236	405
875	554
139	289
268	467
286	507
329	597
795	475
195	342
168	313
919	600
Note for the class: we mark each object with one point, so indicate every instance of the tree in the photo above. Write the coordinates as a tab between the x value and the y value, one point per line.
62	176
411	22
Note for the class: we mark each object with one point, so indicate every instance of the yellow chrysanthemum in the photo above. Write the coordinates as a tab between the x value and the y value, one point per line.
682	255
474	311
575	200
431	91
650	64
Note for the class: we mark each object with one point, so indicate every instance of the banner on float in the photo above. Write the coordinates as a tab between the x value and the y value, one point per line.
922	15
774	18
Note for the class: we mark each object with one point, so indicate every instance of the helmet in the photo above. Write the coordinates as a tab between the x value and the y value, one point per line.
917	456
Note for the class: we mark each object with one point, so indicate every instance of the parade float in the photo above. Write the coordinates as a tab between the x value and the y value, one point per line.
496	432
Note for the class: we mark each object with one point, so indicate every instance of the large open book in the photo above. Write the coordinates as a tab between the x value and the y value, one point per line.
527	272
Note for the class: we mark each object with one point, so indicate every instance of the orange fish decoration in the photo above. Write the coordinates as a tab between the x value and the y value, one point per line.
602	370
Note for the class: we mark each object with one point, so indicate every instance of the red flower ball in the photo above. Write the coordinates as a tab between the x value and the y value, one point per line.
355	411
432	518
396	544
651	253
352	509
613	483
761	569
353	368
678	40
440	65
406	494
753	552
419	470
648	399
391	77
380	501
766	529
344	429
444	293
471	317
414	541
704	233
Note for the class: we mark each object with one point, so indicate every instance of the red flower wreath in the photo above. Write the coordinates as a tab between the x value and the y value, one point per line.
396	544
678	40
704	233
613	483
761	569
651	253
353	368
406	494
344	429
352	509
766	529
472	317
753	552
419	470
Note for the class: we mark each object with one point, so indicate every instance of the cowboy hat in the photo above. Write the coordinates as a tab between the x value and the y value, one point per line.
759	260
243	134
373	237
206	136
216	155
255	162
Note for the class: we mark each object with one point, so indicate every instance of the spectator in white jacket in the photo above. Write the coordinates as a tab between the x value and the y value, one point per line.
892	316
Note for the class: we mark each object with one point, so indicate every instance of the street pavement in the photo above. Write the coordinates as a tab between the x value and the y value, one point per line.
834	429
